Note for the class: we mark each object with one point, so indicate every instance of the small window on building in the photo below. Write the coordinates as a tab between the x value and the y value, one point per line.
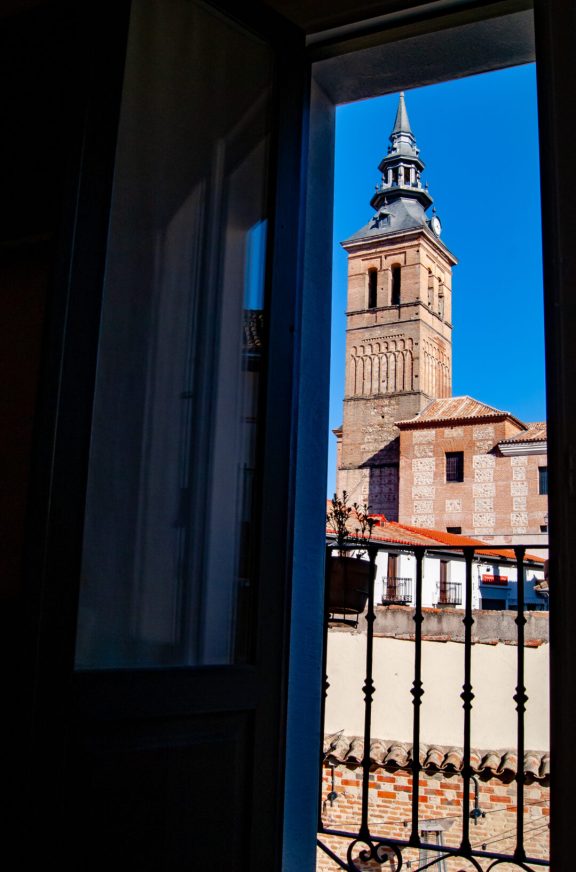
396	285
372	288
441	305
542	479
543	528
454	466
454	530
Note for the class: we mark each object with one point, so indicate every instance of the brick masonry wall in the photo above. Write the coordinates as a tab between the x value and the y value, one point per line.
397	359
499	494
390	795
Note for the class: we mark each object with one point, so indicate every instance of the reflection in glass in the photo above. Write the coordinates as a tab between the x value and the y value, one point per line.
170	529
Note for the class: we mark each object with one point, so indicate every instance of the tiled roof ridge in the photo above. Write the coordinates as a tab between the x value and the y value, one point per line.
430	537
479	410
394	754
445	538
442	537
536	431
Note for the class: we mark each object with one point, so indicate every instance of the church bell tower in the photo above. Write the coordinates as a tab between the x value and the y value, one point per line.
398	331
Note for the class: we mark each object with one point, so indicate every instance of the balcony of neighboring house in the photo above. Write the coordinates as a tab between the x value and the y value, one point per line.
449	594
449	591
397	591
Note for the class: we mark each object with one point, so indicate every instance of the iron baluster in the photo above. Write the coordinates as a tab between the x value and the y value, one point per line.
325	679
520	699
467	696
368	690
417	693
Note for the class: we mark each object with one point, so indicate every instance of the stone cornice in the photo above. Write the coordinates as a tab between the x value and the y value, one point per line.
520	448
400	236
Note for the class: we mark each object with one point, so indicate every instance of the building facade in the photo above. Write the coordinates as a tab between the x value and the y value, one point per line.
469	468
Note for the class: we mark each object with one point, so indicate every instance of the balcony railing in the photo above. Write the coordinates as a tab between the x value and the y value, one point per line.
450	593
367	844
397	591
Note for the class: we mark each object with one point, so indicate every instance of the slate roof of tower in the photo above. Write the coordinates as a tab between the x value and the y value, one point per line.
458	409
404	215
401	122
399	205
536	432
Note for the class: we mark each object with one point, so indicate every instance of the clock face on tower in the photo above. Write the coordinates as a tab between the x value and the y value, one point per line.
435	225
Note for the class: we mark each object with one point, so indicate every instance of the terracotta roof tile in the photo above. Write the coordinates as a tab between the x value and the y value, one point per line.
536	432
445	538
436	758
457	409
407	534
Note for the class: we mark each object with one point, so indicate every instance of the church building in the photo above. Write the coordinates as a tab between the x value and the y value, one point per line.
406	447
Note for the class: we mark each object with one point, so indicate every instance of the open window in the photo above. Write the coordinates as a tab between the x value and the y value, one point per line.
340	77
122	720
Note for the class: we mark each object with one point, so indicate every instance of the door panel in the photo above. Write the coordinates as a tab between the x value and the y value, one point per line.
174	793
162	656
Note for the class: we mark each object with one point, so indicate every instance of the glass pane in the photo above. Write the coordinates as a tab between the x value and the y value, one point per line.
167	575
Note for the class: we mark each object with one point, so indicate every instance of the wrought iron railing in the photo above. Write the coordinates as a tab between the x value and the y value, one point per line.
397	591
450	593
364	845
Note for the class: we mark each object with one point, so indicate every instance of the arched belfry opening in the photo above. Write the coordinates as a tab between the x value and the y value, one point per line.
372	288
396	285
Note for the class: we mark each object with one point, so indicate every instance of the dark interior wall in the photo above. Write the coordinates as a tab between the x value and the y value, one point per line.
39	94
39	106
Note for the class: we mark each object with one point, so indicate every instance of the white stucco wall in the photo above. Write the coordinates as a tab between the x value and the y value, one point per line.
406	568
493	676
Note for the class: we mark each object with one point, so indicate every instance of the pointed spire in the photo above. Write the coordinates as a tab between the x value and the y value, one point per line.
402	138
402	123
401	168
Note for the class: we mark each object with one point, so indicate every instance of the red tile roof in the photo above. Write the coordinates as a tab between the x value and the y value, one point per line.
394	755
458	409
536	432
407	534
457	539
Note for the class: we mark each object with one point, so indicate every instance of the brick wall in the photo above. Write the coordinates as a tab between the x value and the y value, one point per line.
390	795
499	494
398	357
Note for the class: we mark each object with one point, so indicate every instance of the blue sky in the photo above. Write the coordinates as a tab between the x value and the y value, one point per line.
479	141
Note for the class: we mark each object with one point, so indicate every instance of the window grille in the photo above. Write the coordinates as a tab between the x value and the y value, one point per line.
454	466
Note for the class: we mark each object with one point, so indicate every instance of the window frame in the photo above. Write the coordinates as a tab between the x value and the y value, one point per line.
453	476
338	48
554	38
543	480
